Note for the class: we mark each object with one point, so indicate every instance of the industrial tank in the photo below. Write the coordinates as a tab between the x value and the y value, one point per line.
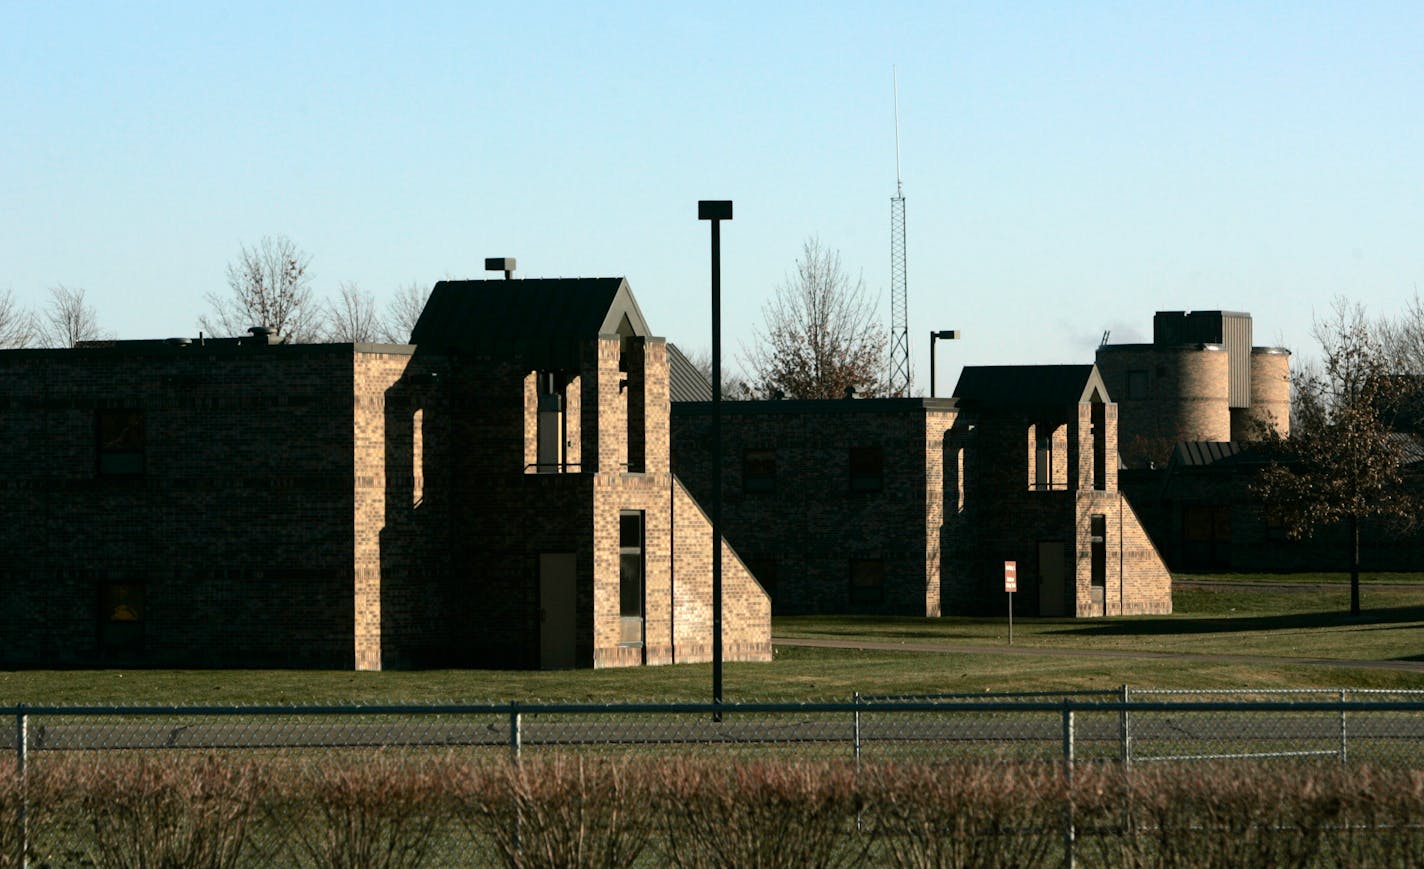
1270	395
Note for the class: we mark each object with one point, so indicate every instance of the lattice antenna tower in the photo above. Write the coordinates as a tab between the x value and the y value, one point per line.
899	298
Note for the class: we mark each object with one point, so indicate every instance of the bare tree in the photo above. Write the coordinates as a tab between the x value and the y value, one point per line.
821	334
1402	341
734	386
404	310
17	326
1341	463
268	285
1402	338
69	319
352	317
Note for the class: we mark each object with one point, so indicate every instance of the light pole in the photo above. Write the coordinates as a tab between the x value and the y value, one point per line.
716	210
945	335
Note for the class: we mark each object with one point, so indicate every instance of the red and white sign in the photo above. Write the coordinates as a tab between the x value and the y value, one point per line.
1011	576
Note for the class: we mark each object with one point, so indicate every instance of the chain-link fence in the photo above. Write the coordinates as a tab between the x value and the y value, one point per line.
210	754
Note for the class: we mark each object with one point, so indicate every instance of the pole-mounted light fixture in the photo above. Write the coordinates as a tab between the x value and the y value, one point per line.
716	210
941	335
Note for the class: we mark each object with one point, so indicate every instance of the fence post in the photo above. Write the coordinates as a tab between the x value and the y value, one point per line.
1125	727
1069	834
1344	740
22	747
855	744
516	738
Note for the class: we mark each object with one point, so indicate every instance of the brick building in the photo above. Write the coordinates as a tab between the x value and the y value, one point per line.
911	506
1036	449
496	494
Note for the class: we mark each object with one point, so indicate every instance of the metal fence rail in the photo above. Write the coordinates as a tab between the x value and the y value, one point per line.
1384	727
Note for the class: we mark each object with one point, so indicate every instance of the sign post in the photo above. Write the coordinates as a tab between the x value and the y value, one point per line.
1011	585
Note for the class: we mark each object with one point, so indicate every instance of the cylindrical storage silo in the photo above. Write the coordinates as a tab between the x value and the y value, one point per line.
1200	388
1270	394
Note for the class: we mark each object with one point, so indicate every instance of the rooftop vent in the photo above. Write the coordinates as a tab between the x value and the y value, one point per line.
500	264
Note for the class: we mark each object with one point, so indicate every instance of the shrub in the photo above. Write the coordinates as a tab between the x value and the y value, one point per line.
966	814
11	800
1203	815
765	813
380	811
560	812
158	811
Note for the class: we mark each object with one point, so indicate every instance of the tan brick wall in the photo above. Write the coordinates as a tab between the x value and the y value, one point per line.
677	551
937	499
746	608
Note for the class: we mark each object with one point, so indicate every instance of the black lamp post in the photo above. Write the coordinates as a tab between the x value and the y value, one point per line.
716	210
941	335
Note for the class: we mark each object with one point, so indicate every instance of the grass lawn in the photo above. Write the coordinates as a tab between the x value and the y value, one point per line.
1249	615
1367	578
1264	621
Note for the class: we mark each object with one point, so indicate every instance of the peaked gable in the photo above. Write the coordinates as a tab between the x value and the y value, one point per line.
541	320
1030	385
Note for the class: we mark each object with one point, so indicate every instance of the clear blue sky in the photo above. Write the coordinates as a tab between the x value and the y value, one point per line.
1069	167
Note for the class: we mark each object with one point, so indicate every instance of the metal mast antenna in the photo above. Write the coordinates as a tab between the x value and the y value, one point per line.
899	298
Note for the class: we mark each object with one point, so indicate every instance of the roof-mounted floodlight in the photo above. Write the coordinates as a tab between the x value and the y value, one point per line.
500	264
714	209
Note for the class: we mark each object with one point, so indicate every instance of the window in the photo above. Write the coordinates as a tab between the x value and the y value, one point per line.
120	441
630	577
121	616
1043	461
867	581
1100	446
1098	540
550	426
759	470
1137	385
867	469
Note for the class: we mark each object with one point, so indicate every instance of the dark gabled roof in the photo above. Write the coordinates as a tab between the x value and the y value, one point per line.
543	321
1229	455
1202	454
685	381
1029	385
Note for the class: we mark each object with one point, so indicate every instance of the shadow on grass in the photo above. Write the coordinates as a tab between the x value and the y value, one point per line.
1370	619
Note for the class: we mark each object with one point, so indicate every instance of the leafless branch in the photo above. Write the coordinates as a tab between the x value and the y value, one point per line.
821	335
404	310
268	285
351	317
69	319
17	326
